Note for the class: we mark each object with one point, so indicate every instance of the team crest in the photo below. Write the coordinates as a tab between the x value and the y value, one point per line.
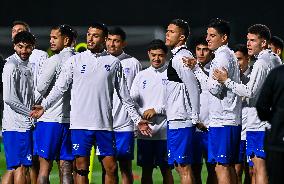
107	67
126	71
164	81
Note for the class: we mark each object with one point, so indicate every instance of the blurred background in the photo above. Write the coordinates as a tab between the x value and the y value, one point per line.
142	20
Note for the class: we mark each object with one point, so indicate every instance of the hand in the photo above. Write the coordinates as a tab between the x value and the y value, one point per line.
220	75
37	111
149	113
201	127
189	62
144	128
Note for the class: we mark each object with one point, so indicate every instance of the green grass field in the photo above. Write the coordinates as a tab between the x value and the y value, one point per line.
96	175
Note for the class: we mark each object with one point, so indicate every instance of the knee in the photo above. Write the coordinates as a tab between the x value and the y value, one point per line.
82	164
110	167
183	170
66	166
221	168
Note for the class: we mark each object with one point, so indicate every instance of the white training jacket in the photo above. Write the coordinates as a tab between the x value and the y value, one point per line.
147	91
244	80
266	60
95	76
18	94
36	60
182	99
224	105
60	111
121	120
202	74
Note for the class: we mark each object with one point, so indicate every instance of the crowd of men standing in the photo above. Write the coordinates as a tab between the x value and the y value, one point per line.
189	110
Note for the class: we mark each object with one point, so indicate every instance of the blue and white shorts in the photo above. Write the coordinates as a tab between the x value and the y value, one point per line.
18	148
53	141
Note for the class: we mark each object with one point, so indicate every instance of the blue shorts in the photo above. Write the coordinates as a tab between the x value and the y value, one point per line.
83	140
255	144
224	144
200	147
53	141
242	152
152	153
18	148
124	142
180	148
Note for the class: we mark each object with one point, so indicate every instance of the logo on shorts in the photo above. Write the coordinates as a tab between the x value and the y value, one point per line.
76	146
29	157
83	68
144	84
107	67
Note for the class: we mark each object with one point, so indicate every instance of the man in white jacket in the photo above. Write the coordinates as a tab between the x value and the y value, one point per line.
182	101
94	75
123	126
224	105
53	137
257	43
36	61
18	97
146	91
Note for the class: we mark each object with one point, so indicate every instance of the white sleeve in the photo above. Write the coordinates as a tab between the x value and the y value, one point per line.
45	78
123	94
10	96
136	69
61	84
216	88
188	78
257	78
134	93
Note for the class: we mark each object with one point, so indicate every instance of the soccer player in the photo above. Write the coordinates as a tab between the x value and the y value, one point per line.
201	68
36	60
53	137
122	124
95	75
257	43
276	44
18	97
241	53
146	91
182	101
224	105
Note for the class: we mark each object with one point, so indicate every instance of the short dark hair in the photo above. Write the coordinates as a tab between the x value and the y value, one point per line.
25	37
66	30
261	30
241	48
183	25
277	42
118	31
100	26
221	26
201	41
157	44
19	22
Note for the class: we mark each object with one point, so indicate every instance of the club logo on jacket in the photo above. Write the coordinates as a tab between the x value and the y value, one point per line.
126	71
164	81
107	67
83	68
